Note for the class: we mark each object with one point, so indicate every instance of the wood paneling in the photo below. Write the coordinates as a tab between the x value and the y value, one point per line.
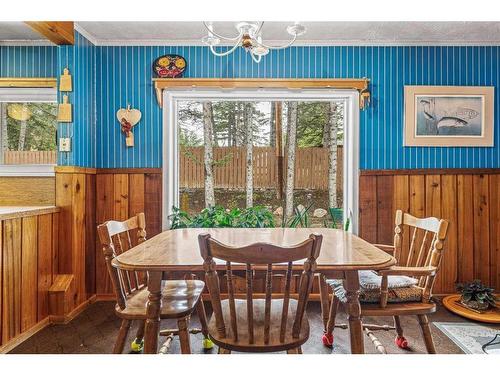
25	274
470	201
58	32
11	274
368	207
465	223
45	263
27	191
481	227
119	196
495	231
29	272
75	195
90	235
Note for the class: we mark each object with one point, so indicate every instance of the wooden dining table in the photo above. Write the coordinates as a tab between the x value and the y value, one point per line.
342	255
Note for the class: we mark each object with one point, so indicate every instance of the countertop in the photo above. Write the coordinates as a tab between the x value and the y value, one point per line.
12	212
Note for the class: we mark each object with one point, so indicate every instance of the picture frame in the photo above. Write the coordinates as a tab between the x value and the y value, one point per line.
449	116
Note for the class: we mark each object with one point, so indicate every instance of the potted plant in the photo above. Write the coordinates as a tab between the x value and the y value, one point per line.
476	295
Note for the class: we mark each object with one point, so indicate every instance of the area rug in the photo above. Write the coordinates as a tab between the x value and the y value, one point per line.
471	337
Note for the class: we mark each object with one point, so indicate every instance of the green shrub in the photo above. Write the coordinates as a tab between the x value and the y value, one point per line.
219	217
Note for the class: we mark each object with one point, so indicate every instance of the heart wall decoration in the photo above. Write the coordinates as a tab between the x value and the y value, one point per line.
128	118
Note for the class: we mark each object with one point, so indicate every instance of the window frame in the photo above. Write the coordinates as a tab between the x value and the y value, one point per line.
170	169
32	95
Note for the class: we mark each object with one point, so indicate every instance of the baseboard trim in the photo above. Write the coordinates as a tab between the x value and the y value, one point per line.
58	319
10	345
104	297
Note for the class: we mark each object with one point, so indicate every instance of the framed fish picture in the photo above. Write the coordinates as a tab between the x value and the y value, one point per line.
449	116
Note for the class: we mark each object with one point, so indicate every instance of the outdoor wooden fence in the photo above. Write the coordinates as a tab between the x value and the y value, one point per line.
311	168
30	157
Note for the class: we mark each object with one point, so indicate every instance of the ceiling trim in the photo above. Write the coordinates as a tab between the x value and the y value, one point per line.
91	38
23	42
301	43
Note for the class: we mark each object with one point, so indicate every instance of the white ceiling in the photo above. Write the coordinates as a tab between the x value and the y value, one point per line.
318	33
20	33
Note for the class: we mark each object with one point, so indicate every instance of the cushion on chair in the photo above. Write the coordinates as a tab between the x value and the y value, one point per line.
400	288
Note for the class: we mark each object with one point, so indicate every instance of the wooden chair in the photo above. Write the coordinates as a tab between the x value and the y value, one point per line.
259	325
421	262
179	297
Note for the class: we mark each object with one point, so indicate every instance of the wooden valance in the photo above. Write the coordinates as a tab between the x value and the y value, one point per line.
28	82
360	84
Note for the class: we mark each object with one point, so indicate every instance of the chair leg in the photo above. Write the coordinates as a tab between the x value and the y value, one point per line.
138	344
202	315
122	336
400	340
426	333
183	325
323	297
330	325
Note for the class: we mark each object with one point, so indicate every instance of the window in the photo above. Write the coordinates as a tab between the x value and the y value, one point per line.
250	154
265	116
28	126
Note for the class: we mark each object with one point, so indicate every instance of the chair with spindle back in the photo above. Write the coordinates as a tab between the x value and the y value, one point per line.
259	325
404	289
179	297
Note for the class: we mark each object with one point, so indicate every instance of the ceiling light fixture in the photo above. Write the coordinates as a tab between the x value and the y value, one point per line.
249	37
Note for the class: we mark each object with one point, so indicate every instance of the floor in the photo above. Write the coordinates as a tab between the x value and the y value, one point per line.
94	332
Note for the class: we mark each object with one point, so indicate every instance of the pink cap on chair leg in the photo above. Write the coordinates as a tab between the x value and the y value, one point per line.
327	339
401	342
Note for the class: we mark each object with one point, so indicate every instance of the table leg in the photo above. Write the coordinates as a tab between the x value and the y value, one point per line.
351	285
152	327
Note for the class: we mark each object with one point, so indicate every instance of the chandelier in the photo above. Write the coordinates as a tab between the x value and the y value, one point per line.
249	37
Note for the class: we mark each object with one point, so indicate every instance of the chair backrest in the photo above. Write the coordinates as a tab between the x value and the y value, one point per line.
422	246
254	255
116	238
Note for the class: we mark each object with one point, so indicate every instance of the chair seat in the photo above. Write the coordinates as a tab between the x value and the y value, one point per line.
400	288
179	298
406	308
274	345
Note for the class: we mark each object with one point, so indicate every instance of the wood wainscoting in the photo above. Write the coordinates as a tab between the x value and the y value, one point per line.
120	194
468	198
28	265
27	191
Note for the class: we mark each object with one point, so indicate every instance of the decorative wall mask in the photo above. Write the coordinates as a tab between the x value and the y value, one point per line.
128	118
169	66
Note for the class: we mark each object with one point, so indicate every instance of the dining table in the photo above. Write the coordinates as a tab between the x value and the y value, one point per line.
342	256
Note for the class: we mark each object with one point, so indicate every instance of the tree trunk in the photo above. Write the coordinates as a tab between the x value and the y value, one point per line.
249	163
208	121
3	128
22	135
232	126
332	165
291	145
272	125
325	142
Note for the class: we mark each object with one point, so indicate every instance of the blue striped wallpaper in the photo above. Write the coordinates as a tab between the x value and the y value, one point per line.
28	61
80	60
124	76
106	78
